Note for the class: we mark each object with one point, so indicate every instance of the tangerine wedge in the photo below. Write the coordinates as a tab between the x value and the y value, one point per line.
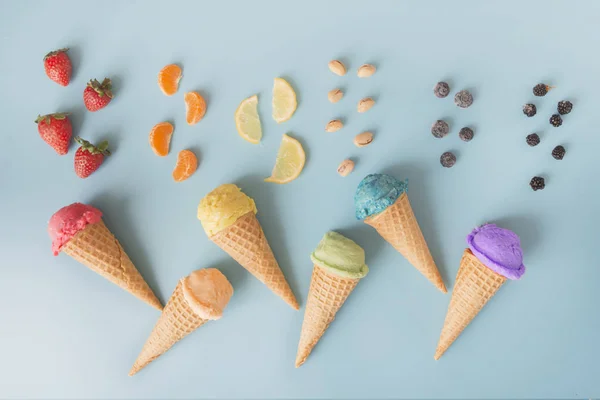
195	107
168	79
160	138
186	165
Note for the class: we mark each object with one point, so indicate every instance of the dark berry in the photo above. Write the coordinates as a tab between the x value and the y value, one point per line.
533	139
440	129
564	107
537	183
441	90
463	99
466	134
529	110
558	152
541	89
448	159
555	120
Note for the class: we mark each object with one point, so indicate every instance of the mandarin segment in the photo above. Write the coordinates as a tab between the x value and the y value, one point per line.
195	107
168	79
160	138
186	165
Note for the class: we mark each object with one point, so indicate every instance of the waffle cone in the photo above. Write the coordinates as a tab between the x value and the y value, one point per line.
97	248
475	285
326	295
176	322
245	242
398	225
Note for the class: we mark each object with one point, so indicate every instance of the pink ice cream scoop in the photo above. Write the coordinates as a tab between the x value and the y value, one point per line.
69	220
498	249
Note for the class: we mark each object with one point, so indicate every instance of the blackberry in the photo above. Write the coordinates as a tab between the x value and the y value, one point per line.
533	139
541	89
440	129
564	107
558	152
537	183
529	110
555	120
447	159
463	99
441	90
466	134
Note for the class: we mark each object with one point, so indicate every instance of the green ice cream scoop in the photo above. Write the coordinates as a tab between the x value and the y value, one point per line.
341	256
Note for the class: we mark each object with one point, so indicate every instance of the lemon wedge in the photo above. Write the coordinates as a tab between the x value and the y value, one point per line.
284	100
290	161
247	120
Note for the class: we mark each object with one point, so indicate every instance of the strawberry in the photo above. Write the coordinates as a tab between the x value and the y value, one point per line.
56	130
58	66
88	157
97	95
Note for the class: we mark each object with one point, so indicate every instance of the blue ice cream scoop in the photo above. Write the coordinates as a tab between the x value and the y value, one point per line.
376	192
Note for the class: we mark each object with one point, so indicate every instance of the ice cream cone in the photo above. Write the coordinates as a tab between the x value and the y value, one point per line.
97	248
245	242
398	225
475	285
326	295
176	322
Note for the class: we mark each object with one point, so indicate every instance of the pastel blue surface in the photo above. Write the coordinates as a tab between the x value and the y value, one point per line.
67	333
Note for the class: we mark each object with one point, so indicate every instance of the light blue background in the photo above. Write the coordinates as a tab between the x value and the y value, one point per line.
67	333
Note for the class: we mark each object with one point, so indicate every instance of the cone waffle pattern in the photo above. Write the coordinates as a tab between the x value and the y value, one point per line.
176	322
98	249
475	285
245	242
326	295
398	225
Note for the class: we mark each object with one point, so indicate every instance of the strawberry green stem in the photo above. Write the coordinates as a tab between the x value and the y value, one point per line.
104	88
47	118
102	148
55	52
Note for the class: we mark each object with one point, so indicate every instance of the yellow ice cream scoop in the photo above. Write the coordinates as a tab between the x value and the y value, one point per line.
222	207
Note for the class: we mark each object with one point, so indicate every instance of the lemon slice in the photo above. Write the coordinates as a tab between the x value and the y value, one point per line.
247	121
290	161
284	100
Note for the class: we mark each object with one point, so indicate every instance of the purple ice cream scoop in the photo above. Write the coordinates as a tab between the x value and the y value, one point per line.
498	249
